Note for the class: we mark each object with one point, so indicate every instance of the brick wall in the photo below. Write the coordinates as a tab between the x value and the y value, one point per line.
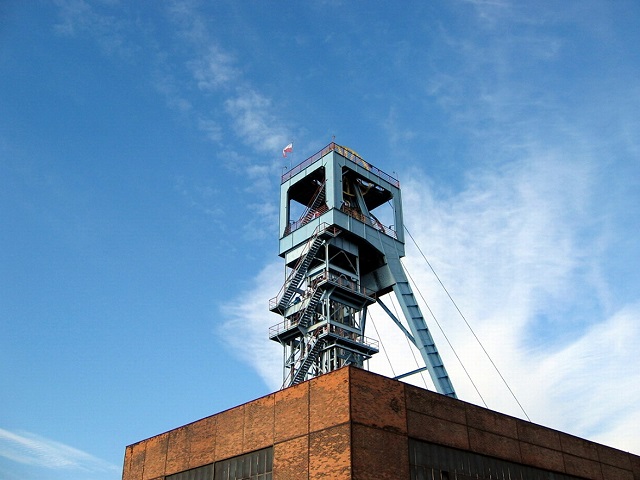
352	424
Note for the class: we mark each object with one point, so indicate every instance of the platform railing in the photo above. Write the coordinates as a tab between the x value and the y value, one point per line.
346	153
331	277
347	283
370	220
326	329
306	218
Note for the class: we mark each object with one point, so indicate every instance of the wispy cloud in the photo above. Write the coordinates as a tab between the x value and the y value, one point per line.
201	195
255	121
231	112
209	91
602	370
209	88
247	325
214	68
98	19
167	86
34	450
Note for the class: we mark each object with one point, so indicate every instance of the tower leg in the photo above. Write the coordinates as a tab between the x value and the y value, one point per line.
418	326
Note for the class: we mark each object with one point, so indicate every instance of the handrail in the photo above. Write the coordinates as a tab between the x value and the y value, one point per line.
311	214
349	335
332	328
346	283
371	221
352	212
274	330
346	153
334	278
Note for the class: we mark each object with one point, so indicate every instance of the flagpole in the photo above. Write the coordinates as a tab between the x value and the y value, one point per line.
288	149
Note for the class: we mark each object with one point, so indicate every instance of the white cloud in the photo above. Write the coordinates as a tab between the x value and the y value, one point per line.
213	69
255	121
192	26
263	222
603	366
166	85
212	129
97	19
247	325
34	450
74	14
503	247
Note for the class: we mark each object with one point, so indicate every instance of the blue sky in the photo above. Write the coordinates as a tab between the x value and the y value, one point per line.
140	155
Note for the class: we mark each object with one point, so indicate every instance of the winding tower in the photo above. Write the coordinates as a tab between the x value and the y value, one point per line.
342	237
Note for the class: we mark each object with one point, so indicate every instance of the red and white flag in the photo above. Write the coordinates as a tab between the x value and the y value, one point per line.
288	148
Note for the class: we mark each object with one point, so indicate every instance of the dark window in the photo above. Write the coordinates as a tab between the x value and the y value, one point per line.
201	473
251	466
435	462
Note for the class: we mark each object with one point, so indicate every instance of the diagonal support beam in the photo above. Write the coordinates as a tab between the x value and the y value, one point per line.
412	372
398	323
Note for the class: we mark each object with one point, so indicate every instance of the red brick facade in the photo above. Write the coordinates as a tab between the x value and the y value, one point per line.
352	424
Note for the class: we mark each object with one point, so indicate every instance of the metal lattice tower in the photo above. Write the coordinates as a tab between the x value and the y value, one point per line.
342	237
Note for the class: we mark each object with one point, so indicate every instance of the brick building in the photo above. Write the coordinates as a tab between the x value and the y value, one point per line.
353	424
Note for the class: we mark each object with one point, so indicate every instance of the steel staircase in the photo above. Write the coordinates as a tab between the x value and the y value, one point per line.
299	274
318	205
310	308
307	362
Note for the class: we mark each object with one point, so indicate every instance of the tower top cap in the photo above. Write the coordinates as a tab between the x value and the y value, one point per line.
347	153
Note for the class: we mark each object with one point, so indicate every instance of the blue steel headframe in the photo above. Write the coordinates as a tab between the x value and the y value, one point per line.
334	160
338	191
